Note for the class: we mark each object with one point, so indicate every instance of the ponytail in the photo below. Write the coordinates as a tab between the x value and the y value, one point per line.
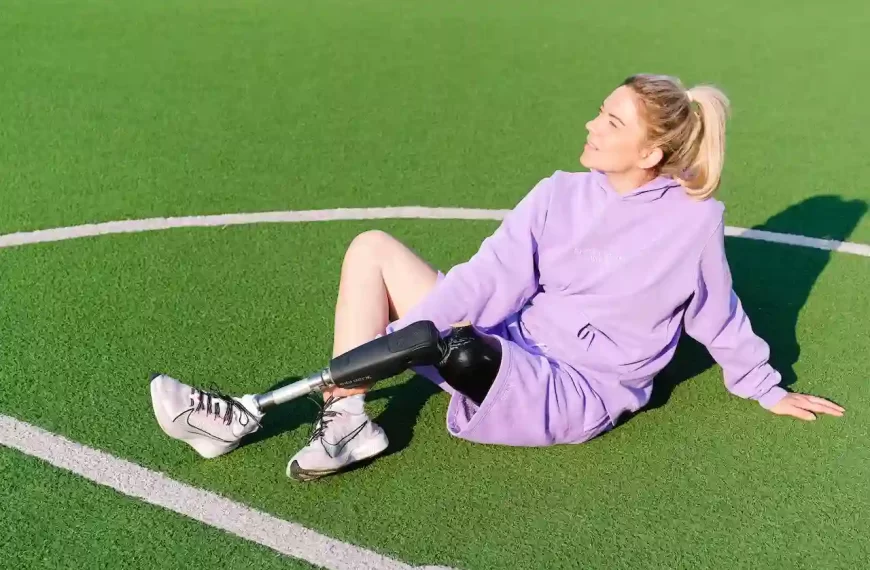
706	144
689	127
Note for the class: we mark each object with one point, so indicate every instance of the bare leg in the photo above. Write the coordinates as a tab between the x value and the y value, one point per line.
381	279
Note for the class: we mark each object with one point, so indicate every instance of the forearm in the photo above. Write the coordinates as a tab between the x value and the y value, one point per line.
715	317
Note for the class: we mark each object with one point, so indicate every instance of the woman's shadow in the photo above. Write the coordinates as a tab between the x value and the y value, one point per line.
406	401
774	282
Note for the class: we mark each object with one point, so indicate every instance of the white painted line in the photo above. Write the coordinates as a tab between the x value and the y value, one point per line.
803	241
285	537
409	212
152	224
155	488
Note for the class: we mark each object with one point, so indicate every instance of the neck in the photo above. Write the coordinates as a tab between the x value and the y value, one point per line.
625	182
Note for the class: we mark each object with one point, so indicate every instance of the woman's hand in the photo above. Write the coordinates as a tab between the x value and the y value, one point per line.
805	407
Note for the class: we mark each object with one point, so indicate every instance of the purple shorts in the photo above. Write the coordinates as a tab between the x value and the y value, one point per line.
534	401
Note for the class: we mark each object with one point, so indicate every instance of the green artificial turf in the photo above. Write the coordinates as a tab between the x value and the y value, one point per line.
703	480
115	110
134	109
52	519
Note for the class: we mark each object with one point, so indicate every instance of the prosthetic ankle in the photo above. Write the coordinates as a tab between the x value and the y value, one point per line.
466	361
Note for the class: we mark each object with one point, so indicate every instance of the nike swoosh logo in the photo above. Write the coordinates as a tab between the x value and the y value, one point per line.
342	443
187	414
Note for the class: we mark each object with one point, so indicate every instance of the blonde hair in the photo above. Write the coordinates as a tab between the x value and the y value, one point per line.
688	126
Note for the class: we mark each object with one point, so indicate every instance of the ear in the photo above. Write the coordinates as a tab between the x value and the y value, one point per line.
650	158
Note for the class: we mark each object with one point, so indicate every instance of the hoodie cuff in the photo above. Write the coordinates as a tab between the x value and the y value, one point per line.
772	397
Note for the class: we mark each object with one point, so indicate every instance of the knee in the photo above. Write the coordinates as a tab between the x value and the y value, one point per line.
468	353
370	245
471	362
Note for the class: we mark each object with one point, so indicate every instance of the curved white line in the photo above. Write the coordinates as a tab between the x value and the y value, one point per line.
406	212
283	536
152	487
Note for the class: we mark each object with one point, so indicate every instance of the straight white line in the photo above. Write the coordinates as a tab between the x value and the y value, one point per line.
803	241
155	488
408	212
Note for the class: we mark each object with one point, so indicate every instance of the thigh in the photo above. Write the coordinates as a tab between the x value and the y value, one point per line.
408	278
377	260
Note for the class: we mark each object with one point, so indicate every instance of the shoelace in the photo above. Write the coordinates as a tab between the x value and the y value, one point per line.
324	416
202	399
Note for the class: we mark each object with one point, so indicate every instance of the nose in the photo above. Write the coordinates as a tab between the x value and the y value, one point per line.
590	125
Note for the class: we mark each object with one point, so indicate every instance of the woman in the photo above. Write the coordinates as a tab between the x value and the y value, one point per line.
584	289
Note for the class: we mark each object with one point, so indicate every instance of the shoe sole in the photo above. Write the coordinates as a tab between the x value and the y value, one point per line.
205	448
297	473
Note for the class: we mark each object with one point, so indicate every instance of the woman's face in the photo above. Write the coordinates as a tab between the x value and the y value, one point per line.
616	143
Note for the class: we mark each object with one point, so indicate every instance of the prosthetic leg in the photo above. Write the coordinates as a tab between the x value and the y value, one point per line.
467	362
214	424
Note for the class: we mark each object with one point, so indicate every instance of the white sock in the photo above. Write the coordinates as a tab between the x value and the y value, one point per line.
351	404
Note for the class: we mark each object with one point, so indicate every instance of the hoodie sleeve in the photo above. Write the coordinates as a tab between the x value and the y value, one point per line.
498	280
715	318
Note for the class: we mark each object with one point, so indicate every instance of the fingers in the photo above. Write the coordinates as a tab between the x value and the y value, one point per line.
819	405
805	407
799	413
827	404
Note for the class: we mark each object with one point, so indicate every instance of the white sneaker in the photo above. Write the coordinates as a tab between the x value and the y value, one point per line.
211	423
342	436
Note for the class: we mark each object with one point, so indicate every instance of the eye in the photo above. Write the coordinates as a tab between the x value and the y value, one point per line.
601	112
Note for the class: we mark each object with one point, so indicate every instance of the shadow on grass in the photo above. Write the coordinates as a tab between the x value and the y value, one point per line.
286	417
406	400
774	282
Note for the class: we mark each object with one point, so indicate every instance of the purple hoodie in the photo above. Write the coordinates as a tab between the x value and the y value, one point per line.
604	284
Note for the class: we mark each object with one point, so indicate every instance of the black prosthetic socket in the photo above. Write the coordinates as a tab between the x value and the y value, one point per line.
470	364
